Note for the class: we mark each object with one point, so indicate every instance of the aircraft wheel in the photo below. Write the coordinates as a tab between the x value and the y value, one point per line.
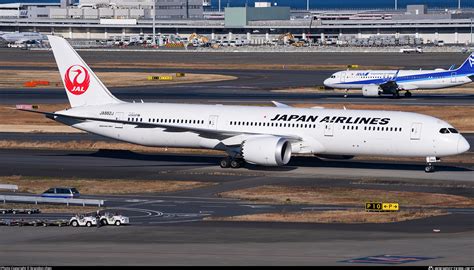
407	94
234	164
429	168
225	163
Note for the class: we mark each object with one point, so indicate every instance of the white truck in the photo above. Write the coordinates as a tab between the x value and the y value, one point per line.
412	50
113	219
81	220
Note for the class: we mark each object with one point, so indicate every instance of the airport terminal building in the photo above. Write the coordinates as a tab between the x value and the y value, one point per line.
102	19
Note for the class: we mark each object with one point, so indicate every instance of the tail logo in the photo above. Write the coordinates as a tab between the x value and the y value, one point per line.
471	60
80	80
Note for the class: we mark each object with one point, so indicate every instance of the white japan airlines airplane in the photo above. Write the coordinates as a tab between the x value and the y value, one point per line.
392	82
257	135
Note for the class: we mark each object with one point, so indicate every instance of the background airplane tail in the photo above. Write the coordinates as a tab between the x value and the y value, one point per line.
468	65
83	87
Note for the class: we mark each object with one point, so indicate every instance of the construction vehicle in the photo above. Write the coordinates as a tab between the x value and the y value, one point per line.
300	43
198	40
289	39
286	38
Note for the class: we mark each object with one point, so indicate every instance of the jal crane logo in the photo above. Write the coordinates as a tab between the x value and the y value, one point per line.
77	80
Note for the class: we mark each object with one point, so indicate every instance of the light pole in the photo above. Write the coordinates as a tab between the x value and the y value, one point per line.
154	17
307	5
396	5
459	4
471	31
219	5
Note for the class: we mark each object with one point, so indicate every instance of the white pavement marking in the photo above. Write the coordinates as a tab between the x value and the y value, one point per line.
257	206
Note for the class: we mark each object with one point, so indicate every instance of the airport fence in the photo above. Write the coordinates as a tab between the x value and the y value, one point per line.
37	199
9	187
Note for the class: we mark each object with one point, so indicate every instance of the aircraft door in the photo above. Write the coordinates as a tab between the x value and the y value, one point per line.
453	77
343	76
415	133
328	130
213	121
119	116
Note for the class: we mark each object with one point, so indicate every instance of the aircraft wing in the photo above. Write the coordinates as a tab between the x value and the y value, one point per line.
228	137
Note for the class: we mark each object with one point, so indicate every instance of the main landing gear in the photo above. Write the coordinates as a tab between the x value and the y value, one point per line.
229	162
396	94
429	166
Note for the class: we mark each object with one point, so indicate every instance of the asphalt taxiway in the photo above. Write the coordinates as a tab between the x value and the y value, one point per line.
252	86
124	58
168	228
229	93
124	164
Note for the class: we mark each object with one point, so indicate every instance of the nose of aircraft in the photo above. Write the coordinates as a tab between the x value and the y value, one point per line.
326	82
463	145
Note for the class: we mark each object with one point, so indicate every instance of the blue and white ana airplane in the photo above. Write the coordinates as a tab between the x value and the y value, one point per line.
392	82
21	37
266	136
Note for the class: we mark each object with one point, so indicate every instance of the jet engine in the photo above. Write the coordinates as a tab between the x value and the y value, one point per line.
371	90
267	151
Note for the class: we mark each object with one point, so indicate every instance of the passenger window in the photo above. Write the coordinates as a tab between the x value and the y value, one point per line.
453	130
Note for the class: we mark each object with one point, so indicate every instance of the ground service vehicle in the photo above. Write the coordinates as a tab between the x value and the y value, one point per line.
81	220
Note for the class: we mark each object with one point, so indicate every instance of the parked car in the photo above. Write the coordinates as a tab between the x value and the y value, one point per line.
61	192
81	220
115	219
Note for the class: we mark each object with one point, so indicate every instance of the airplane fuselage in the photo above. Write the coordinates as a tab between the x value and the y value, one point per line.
406	79
320	131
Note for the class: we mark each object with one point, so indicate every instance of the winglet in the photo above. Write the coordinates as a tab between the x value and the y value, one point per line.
280	105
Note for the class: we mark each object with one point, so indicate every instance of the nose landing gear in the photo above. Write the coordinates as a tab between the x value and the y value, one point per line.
430	167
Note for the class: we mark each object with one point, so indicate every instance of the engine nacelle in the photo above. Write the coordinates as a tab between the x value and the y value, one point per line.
267	151
371	90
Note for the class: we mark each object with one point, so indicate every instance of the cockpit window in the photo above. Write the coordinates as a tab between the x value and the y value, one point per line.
333	76
444	131
453	130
